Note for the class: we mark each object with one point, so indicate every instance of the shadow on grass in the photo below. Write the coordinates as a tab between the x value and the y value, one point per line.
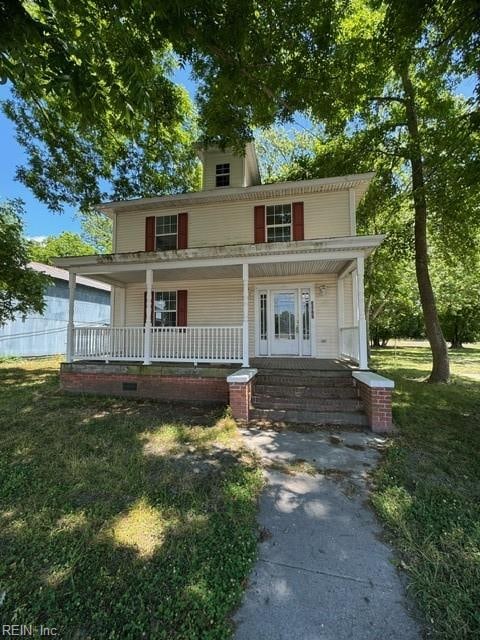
428	486
120	519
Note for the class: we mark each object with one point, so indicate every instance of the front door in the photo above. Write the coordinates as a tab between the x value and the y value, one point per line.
284	323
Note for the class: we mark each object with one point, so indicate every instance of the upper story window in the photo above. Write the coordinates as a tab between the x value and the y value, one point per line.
279	223
222	175
166	233
165	309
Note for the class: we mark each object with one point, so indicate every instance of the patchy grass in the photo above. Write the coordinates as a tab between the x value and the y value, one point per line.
118	518
428	486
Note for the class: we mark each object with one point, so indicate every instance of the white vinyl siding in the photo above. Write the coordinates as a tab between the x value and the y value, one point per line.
215	158
326	215
209	302
219	303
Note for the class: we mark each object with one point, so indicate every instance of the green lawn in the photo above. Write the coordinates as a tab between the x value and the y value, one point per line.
428	487
119	519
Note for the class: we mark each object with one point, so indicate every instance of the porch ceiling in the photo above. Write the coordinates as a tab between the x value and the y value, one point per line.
262	270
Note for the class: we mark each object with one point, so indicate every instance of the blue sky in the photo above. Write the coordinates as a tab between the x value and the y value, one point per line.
39	221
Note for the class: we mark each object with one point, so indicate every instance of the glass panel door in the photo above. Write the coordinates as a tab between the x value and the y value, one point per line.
285	323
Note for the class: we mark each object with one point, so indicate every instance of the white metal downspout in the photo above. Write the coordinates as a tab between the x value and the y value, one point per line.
72	281
245	361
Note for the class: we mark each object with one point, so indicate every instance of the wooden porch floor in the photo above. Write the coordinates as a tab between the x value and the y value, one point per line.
302	364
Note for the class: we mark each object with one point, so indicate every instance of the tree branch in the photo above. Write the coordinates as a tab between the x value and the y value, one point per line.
386	99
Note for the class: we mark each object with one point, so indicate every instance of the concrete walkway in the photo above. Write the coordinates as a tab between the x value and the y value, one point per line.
322	572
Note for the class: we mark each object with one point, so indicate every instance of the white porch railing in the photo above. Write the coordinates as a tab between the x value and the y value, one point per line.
349	341
108	343
176	344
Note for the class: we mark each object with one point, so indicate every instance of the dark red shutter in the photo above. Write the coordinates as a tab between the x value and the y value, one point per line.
182	231
298	226
182	308
150	233
259	216
145	307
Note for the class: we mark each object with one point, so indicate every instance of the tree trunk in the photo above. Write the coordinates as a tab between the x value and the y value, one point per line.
440	363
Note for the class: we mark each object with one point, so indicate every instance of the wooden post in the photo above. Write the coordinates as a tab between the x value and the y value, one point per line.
245	360
362	325
72	281
147	341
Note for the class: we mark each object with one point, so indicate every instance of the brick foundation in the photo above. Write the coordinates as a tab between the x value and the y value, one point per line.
207	390
377	402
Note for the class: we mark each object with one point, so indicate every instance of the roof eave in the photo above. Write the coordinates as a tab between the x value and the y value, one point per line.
317	184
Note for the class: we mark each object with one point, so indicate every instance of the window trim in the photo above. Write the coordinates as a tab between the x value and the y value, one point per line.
278	226
222	174
157	235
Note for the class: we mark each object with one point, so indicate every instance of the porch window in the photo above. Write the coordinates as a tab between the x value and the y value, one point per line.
165	311
306	304
166	233
279	223
222	175
263	316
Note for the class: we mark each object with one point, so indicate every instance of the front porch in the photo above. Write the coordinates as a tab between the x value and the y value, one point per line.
229	305
184	321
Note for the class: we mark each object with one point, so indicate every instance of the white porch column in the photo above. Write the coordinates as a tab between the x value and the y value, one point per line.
245	361
362	324
147	341
72	281
340	311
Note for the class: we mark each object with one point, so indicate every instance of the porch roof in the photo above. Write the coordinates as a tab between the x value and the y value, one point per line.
326	255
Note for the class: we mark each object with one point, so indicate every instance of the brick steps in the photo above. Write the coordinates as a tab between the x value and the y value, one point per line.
319	418
297	374
315	391
315	398
315	404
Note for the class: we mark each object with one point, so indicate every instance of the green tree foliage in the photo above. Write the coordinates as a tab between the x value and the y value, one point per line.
94	104
21	288
97	230
65	244
458	291
66	167
105	62
388	95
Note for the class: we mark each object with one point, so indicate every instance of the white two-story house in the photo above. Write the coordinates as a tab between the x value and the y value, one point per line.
239	273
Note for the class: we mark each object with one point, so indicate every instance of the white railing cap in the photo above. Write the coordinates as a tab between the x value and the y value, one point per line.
373	379
242	376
